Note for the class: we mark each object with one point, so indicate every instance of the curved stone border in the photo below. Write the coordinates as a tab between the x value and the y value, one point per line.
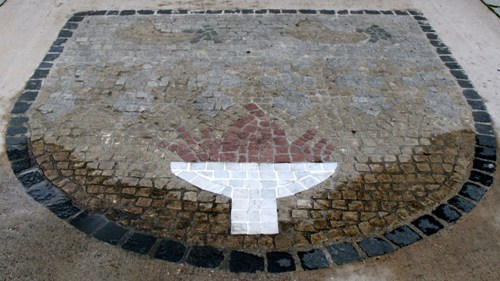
98	226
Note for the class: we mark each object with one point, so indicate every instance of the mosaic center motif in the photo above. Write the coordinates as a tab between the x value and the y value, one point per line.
170	124
252	186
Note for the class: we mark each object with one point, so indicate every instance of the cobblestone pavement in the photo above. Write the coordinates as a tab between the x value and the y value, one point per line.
380	86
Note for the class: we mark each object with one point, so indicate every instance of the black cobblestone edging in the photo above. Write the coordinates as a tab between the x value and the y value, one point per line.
108	231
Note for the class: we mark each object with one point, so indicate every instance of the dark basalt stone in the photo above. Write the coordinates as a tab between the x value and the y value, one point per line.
428	225
343	253
31	178
171	251
403	236
205	256
313	259
472	191
88	223
462	203
280	262
111	233
139	243
375	246
447	213
244	262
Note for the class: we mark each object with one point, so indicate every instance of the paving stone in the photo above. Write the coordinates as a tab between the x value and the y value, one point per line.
403	236
481	116
204	256
21	165
88	223
447	213
462	204
486	153
139	243
127	12
16	130
427	224
43	192
484	166
17	153
472	191
313	259
63	208
31	178
471	94
245	262
485	129
278	262
16	141
343	253
487	141
171	251
110	233
375	246
481	178
27	96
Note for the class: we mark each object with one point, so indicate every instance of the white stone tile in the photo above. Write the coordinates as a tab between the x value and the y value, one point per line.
329	166
254	228
215	166
285	175
250	166
309	182
233	166
237	183
239	216
253	175
296	188
221	175
187	176
269	227
268	203
268	184
266	167
268	215
198	166
206	174
268	193
267	175
297	166
200	182
237	175
301	175
283	192
240	193
239	204
282	167
228	192
239	228
313	167
254	194
252	184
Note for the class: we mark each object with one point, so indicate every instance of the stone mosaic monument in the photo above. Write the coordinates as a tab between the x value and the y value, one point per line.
158	131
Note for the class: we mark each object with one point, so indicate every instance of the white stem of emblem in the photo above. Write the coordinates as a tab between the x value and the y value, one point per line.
253	187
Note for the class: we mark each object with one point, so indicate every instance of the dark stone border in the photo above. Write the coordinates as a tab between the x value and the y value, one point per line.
100	227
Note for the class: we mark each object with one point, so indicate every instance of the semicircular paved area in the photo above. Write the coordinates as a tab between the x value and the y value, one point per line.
374	95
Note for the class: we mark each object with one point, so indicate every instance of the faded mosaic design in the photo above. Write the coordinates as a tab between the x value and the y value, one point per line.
121	87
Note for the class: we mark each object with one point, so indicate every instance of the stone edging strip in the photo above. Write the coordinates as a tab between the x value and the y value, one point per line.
98	226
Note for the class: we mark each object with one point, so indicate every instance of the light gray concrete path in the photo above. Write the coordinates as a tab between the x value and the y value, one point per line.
36	245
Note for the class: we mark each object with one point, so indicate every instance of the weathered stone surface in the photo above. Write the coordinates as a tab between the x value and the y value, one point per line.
394	165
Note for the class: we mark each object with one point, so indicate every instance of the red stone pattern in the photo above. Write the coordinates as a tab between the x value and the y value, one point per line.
252	138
